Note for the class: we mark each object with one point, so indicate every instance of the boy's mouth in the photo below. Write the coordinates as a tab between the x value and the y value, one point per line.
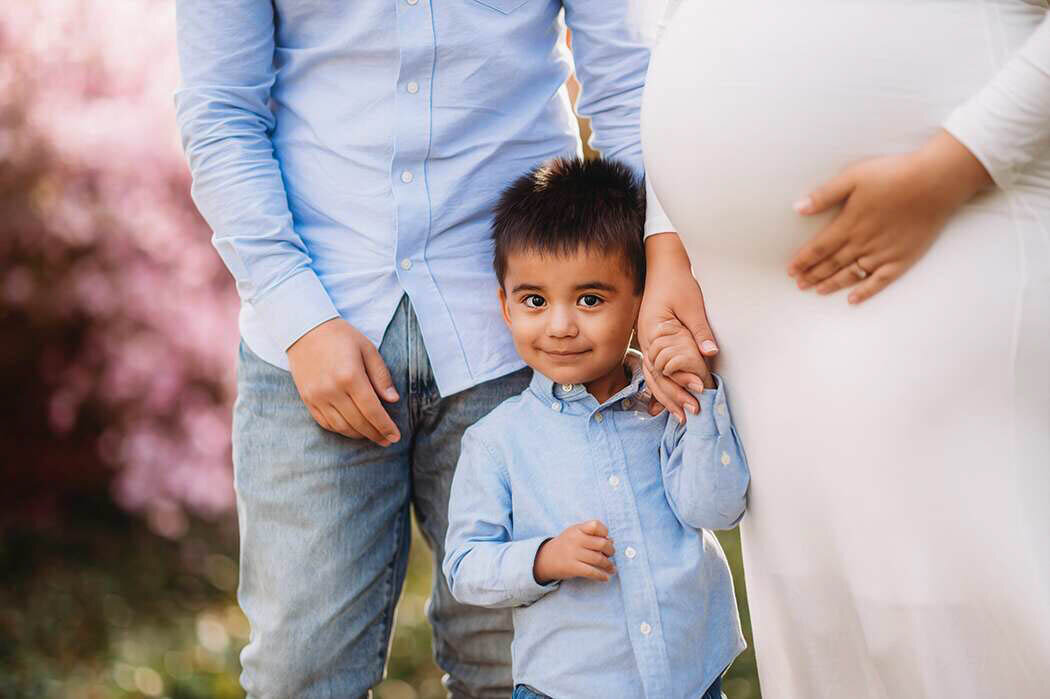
564	356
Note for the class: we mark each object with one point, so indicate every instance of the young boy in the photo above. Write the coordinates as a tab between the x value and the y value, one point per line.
633	598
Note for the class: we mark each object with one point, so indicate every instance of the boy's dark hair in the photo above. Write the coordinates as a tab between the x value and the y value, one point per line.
566	204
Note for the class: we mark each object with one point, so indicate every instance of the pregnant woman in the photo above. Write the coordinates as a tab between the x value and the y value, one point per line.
898	542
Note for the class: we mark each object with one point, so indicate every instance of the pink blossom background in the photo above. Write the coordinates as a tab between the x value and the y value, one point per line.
99	233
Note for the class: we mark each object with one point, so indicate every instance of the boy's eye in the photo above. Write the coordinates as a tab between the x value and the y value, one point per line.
535	301
590	301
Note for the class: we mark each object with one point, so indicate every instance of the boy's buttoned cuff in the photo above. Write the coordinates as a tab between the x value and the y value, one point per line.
519	561
714	411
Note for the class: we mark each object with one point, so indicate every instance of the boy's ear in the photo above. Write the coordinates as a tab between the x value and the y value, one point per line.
503	305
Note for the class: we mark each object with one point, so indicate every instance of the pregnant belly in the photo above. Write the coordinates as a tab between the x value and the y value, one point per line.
750	105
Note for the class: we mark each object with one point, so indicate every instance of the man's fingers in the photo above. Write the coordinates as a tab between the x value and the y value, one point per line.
379	375
594	527
827	195
319	418
364	396
349	411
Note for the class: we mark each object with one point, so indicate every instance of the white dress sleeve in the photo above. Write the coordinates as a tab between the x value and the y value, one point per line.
1007	124
656	220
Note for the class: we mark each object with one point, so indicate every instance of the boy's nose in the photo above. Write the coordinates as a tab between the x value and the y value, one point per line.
561	324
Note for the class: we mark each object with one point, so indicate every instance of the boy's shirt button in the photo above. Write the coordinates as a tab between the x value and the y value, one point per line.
566	387
630	552
645	629
614	481
598	417
725	458
626	403
555	406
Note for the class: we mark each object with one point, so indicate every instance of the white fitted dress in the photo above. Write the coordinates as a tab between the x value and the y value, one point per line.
898	539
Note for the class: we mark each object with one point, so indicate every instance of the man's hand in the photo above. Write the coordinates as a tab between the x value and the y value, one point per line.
339	374
672	298
581	551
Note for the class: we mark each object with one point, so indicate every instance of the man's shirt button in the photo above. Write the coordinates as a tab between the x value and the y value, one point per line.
412	87
555	406
645	629
406	176
598	417
630	552
614	481
406	264
725	458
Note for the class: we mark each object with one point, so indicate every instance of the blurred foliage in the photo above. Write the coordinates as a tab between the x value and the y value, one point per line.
100	607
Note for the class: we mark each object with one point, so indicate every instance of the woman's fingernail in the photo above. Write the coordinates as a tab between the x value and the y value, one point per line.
708	346
692	408
803	205
854	299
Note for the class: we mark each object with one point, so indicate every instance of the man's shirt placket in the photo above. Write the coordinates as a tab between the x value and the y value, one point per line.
409	182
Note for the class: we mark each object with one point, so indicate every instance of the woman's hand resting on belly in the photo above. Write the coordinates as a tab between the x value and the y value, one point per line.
893	207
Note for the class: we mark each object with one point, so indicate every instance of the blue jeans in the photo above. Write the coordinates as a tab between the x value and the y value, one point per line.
325	531
525	692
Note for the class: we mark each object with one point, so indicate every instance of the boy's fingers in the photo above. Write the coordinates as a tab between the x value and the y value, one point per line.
594	528
582	570
597	543
675	398
685	363
597	560
691	381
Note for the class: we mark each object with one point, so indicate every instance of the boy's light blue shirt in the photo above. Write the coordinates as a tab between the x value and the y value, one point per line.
346	153
666	624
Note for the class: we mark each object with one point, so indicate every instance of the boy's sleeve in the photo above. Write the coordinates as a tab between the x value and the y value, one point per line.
484	566
611	55
226	55
705	472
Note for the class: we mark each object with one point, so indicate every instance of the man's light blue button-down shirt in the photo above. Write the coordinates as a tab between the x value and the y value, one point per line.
666	624
345	153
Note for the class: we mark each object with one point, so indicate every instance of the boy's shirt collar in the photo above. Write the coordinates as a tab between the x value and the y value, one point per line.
558	394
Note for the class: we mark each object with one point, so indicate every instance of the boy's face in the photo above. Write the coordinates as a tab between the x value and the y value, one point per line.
571	316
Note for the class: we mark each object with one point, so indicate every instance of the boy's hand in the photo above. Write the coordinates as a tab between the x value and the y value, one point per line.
673	353
581	551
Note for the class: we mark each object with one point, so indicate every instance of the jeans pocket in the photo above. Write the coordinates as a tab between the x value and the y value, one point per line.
504	6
